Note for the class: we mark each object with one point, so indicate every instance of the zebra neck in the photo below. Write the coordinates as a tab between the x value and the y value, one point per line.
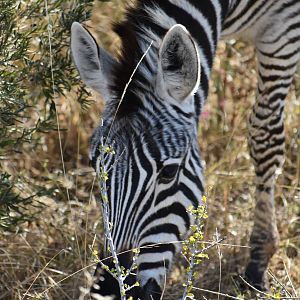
148	22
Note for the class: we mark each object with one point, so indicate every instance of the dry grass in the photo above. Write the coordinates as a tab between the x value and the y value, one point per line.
50	255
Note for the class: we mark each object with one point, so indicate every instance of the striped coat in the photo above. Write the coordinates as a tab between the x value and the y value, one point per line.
154	127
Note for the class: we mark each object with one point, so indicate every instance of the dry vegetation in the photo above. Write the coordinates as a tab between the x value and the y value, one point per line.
49	257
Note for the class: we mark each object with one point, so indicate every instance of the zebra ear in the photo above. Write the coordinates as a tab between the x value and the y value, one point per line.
93	63
178	64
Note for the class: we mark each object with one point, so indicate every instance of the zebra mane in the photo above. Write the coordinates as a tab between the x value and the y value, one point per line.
134	42
135	113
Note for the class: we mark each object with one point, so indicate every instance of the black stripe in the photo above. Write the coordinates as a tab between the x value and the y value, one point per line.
261	173
279	68
132	215
188	116
175	208
269	156
273	78
198	105
188	193
288	42
261	144
154	265
289	55
276	118
162	228
241	14
194	178
282	33
275	87
276	97
276	130
208	10
284	6
193	26
155	248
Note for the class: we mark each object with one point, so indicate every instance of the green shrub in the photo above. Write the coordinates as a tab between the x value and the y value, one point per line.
31	76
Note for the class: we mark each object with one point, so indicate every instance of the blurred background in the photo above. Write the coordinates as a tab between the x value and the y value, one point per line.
50	221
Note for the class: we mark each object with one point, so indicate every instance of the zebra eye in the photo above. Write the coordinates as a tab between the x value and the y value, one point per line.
168	172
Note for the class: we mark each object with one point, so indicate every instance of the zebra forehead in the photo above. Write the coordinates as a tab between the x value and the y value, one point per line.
147	125
129	136
171	136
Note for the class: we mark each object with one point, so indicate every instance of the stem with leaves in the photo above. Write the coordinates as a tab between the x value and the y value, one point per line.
120	274
191	247
102	178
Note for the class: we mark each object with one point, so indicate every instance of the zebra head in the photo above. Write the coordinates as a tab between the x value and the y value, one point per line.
150	120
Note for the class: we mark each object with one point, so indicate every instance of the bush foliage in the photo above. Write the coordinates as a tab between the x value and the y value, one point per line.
31	77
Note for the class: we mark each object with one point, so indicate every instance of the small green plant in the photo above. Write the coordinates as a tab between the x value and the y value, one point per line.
193	248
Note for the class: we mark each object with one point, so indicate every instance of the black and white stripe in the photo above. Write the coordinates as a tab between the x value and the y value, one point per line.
155	129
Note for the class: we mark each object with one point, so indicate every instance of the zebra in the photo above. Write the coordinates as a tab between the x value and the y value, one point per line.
154	128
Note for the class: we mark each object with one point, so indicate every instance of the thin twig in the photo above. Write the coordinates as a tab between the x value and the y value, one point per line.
255	289
117	160
277	281
107	230
165	282
86	221
49	29
126	87
190	273
40	272
217	293
220	263
67	277
290	280
210	244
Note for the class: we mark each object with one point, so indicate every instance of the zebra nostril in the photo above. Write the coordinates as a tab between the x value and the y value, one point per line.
151	290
